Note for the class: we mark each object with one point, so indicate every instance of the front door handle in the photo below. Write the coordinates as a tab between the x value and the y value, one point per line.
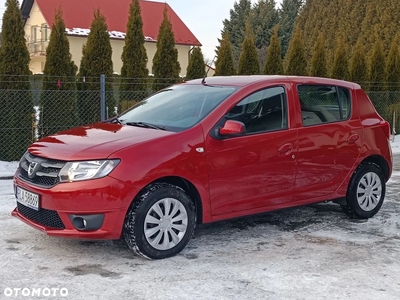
353	138
285	149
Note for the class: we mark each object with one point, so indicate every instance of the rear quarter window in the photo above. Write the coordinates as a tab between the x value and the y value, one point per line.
324	104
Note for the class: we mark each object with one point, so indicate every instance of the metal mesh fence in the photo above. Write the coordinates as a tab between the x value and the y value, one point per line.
27	115
53	104
388	105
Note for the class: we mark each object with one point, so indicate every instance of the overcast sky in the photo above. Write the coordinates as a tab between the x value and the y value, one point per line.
204	19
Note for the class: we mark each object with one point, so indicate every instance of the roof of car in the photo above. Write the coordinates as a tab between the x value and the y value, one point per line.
246	80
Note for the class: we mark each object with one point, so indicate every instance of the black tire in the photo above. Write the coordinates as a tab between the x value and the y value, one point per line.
144	205
352	207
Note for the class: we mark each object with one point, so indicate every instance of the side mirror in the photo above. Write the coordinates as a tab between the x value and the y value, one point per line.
232	128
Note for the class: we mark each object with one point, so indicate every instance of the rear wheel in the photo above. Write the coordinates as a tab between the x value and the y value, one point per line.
160	222
366	192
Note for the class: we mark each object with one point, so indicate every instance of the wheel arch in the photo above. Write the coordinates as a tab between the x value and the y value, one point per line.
381	162
188	187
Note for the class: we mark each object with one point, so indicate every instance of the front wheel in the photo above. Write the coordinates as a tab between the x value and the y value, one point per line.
366	192
160	222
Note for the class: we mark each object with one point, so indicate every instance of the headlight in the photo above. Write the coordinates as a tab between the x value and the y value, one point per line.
84	170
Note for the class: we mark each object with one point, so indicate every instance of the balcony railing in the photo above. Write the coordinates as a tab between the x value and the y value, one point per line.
38	47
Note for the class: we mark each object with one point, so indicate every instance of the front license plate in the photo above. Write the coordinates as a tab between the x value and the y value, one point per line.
27	198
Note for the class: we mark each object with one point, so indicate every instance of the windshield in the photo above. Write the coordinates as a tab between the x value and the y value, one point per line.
178	107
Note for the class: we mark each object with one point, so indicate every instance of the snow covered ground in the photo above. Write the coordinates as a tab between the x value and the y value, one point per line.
395	142
313	252
7	169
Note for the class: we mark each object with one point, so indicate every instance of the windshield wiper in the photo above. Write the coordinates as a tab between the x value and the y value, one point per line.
145	125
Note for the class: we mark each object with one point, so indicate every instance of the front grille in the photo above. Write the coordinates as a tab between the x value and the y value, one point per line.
45	217
46	173
39	180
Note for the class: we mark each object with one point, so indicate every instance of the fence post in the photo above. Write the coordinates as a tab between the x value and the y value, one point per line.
394	126
102	97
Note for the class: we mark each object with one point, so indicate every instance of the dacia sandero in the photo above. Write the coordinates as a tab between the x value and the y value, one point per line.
207	150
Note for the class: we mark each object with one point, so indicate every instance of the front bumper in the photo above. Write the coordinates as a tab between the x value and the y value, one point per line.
101	204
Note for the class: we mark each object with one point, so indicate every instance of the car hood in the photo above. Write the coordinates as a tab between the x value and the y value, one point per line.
97	141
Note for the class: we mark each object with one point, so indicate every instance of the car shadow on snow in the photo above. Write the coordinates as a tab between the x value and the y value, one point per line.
291	219
288	220
300	220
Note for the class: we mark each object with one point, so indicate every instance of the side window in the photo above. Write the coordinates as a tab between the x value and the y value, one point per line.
323	104
261	111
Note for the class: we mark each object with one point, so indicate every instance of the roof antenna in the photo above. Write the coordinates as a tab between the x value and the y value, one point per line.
206	73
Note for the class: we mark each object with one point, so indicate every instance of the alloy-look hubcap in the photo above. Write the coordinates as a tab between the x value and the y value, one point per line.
165	224
369	191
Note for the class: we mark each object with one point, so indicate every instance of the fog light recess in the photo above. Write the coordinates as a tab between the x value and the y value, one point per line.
87	222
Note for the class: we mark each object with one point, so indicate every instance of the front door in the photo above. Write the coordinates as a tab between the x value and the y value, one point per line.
257	169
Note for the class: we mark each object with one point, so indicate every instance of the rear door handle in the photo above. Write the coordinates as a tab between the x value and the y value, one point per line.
353	138
285	149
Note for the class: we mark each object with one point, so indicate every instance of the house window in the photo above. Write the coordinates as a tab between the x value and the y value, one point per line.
34	33
45	32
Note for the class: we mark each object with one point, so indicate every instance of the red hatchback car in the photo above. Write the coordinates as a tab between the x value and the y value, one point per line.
203	151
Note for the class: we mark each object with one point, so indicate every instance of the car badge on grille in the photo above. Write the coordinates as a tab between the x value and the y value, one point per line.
32	169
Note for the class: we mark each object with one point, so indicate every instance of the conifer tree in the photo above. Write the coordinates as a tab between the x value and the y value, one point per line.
369	27
58	99
340	67
16	102
318	61
248	62
352	20
274	65
224	64
263	17
358	65
387	22
134	70
196	68
311	19
295	57
96	60
352	16
166	66
235	27
376	75
287	16
392	73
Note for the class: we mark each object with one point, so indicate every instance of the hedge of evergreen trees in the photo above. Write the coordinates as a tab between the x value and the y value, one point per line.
96	60
16	102
166	66
351	40
65	98
58	98
196	68
134	70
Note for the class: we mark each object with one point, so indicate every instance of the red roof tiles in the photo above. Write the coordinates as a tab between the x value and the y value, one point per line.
79	14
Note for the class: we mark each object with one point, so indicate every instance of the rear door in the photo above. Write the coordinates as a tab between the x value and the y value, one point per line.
329	140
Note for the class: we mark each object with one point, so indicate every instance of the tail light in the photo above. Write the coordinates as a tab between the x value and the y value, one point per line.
386	128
